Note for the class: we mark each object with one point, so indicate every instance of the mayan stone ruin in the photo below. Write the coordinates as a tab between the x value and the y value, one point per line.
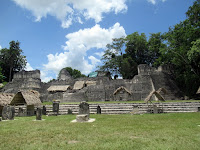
98	88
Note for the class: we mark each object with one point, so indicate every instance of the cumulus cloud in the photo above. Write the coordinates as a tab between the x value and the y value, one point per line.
79	44
45	76
0	47
28	67
155	1
68	11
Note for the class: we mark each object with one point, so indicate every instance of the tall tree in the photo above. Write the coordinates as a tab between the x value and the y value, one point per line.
113	57
182	50
12	60
137	48
155	47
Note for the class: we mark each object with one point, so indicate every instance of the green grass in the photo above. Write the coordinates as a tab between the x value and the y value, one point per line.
179	131
110	102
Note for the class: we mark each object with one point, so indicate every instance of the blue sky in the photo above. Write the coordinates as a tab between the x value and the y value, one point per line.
58	33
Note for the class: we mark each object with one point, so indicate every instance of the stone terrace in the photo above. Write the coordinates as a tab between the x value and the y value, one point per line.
127	108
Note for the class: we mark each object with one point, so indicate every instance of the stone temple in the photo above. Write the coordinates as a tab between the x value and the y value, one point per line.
99	88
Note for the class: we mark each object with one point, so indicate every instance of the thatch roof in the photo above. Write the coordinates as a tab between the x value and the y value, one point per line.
121	88
79	85
157	94
89	83
198	91
6	98
29	97
58	88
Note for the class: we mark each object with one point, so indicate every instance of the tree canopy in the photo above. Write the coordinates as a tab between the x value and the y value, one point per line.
12	60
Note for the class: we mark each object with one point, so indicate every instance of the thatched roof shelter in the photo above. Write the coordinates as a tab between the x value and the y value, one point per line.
121	88
157	94
59	88
6	98
79	85
198	91
29	97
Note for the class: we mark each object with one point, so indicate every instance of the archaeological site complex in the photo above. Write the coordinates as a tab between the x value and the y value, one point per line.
98	88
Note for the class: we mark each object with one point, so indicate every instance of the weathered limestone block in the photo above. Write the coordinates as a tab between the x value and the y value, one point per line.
82	118
21	112
84	108
56	106
8	113
39	114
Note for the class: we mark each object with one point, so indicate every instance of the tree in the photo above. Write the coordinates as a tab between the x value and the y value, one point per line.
2	77
182	50
137	48
193	14
113	57
155	48
12	60
74	73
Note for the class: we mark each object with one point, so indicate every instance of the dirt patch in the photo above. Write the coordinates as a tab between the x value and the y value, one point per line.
134	137
72	142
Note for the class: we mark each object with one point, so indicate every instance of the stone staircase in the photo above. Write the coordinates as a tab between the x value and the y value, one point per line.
126	108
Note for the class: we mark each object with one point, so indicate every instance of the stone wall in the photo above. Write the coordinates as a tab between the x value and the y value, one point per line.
24	80
96	93
147	80
27	75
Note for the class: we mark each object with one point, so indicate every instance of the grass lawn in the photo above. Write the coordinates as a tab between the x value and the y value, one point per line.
180	131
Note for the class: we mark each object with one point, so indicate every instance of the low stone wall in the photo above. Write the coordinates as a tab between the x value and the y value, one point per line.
128	108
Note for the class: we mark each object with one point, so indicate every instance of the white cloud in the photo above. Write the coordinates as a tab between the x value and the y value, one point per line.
94	60
100	54
79	44
68	11
45	76
155	1
28	67
0	47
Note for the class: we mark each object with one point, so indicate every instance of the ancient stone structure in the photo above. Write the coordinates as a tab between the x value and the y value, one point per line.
38	113
84	108
82	118
100	87
56	107
21	112
8	113
24	80
64	75
84	112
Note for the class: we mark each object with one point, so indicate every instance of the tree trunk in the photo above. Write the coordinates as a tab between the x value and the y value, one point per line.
10	74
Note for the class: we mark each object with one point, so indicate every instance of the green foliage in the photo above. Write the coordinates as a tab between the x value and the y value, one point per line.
74	73
178	131
113	57
183	50
137	51
194	53
137	48
2	77
193	13
12	60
